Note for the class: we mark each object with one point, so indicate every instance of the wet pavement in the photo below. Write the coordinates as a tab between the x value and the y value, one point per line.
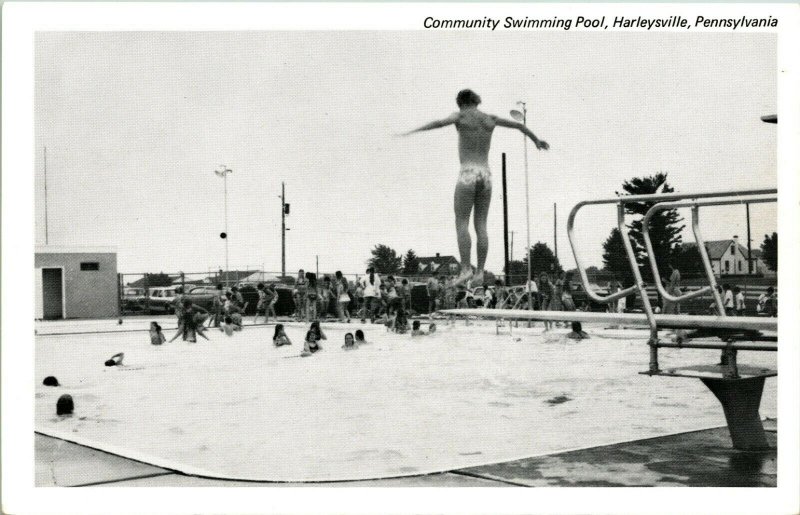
698	458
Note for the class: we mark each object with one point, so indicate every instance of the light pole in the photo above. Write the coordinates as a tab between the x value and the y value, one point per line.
284	212
223	172
46	229
523	117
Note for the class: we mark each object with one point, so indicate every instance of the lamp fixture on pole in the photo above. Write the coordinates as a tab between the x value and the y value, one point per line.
223	172
523	117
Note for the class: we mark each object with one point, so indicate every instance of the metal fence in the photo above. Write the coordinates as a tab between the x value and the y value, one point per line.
154	293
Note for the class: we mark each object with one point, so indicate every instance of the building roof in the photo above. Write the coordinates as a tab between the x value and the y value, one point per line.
261	277
145	280
438	259
232	276
717	248
73	249
431	264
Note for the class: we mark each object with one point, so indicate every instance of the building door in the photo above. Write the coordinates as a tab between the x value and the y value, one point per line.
52	294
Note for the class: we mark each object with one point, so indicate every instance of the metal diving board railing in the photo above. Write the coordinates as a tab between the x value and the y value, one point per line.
738	389
639	284
701	247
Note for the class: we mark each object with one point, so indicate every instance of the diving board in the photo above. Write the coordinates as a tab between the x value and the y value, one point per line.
663	321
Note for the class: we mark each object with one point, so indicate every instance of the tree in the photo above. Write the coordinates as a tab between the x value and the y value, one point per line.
385	260
686	258
615	259
543	260
665	231
769	251
410	263
159	279
517	271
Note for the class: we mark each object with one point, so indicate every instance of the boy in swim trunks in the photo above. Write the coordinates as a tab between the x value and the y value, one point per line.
474	186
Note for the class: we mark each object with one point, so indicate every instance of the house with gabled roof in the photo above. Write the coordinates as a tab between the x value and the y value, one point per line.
438	265
729	257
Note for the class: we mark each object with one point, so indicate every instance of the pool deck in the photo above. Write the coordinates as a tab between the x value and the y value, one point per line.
698	458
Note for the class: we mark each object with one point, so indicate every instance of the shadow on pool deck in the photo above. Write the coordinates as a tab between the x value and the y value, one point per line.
699	458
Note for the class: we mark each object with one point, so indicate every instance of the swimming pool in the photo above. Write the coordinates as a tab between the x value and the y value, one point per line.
240	408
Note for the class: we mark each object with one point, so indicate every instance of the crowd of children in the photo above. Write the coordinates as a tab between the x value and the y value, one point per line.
733	300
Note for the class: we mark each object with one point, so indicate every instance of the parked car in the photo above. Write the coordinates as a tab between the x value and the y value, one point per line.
133	299
582	300
161	299
203	296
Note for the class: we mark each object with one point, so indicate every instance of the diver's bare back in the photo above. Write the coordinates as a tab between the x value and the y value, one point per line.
474	136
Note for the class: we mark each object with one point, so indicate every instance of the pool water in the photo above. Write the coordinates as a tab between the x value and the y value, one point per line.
237	407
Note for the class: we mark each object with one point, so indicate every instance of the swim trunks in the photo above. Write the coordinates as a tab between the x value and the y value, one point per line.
472	174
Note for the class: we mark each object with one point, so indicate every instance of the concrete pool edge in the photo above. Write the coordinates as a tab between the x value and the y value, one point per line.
203	474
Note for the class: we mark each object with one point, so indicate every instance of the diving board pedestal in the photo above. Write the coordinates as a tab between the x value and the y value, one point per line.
740	398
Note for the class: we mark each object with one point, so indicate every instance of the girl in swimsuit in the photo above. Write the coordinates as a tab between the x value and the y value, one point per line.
342	297
311	345
349	342
311	297
156	336
300	295
280	338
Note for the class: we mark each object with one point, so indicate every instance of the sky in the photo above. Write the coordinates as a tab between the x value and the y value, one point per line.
135	123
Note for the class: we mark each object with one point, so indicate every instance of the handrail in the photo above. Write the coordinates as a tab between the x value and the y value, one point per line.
627	199
621	200
639	283
695	205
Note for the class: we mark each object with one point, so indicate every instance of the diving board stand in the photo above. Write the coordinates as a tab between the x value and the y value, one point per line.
740	398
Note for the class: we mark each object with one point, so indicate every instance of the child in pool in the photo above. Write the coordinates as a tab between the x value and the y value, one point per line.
400	321
280	338
577	332
311	344
416	329
231	309
360	340
191	322
156	336
228	327
115	360
317	330
349	342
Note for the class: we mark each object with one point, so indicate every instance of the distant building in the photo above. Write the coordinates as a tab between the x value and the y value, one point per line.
729	257
232	277
261	277
436	265
75	282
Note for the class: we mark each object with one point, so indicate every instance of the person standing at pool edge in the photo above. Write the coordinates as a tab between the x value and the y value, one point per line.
474	186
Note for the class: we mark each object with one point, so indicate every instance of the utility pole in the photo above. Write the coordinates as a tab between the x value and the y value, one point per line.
555	229
283	230
46	229
512	246
749	251
505	219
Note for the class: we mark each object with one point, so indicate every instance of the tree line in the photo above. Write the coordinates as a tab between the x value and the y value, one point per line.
665	234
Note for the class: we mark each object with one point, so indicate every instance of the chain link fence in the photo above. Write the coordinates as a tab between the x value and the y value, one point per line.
154	293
